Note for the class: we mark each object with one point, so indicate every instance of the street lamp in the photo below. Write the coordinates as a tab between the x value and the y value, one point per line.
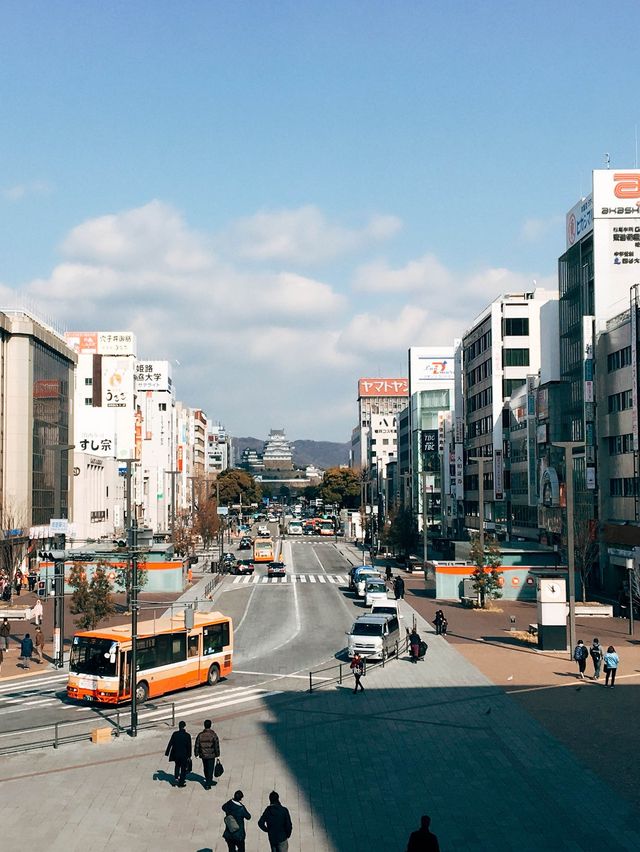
568	447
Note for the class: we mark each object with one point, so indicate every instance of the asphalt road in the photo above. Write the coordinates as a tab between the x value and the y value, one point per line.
283	629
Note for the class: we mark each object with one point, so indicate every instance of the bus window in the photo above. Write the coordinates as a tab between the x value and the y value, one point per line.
178	647
215	638
193	646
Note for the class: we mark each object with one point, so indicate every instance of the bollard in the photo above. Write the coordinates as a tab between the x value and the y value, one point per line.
55	735
117	721
173	714
340	676
310	682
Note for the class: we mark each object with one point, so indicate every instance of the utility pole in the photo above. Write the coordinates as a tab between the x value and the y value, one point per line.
59	544
172	518
568	447
481	502
133	536
631	570
425	532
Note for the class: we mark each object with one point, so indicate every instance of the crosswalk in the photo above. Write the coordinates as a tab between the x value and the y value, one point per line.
337	579
18	696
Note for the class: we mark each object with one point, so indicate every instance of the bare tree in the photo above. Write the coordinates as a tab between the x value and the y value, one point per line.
207	522
586	549
14	539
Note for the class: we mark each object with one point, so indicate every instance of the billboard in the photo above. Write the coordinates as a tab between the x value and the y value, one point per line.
102	342
117	382
152	376
383	387
580	220
430	367
616	238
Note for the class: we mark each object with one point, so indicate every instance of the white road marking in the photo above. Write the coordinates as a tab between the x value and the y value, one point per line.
246	610
21	686
312	578
321	579
302	578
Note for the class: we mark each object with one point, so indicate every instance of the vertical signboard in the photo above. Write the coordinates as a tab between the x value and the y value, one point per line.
430	454
634	366
589	408
498	475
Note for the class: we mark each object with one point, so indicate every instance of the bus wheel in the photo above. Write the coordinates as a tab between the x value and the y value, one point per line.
142	692
213	676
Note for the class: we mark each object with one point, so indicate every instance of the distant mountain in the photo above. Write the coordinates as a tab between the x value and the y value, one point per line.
323	454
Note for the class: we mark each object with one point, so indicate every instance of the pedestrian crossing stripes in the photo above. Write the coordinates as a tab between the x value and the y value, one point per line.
337	579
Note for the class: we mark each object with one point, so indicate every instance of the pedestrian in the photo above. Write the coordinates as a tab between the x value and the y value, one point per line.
26	650
179	753
235	815
276	821
580	655
31	579
438	621
423	840
445	624
208	749
388	573
39	642
611	663
596	655
36	613
17	579
414	645
357	667
398	588
1	660
5	632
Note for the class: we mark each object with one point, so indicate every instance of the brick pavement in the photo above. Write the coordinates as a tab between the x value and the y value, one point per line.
356	771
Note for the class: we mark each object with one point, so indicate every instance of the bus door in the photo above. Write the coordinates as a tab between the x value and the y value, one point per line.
124	683
194	652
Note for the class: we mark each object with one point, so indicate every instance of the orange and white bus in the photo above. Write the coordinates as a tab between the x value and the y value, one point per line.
170	656
325	527
263	550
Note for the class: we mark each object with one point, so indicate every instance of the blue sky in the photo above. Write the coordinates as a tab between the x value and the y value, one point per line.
284	196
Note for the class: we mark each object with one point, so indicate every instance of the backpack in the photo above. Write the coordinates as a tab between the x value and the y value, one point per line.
596	652
581	652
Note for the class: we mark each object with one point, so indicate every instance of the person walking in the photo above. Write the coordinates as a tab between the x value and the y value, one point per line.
207	748
235	815
5	632
580	655
39	643
179	753
26	650
438	621
388	574
1	660
17	580
414	645
276	821
357	667
36	612
596	653
611	663
423	840
398	588
31	579
445	624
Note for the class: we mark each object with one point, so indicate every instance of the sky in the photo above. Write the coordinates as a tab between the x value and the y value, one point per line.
282	197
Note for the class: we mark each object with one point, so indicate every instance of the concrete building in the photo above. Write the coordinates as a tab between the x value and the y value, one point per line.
499	350
36	422
160	457
218	449
377	398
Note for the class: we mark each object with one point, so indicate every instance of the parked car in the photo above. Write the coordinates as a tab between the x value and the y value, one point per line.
373	636
243	566
389	606
276	569
355	572
374	590
413	564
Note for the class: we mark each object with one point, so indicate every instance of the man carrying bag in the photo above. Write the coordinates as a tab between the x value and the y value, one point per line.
207	748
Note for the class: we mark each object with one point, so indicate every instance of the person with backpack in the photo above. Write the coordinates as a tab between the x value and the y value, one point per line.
235	815
445	625
438	621
580	655
596	654
276	821
207	748
26	650
357	667
611	663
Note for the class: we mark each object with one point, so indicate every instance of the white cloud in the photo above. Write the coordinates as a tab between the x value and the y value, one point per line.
20	191
302	236
258	345
533	230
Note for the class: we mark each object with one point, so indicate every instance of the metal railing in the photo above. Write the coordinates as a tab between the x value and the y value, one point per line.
57	736
401	646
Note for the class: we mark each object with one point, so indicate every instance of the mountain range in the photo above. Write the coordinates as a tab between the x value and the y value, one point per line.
322	454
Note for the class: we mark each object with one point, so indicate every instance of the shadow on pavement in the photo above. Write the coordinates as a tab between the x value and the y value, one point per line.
161	775
447	752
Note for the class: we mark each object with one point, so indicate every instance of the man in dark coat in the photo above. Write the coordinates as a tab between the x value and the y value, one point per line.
235	815
179	752
276	821
26	650
414	645
423	840
208	749
398	588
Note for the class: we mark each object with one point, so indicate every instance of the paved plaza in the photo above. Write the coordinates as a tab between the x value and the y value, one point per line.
356	771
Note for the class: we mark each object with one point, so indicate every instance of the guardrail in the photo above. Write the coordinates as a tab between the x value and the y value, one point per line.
401	647
57	735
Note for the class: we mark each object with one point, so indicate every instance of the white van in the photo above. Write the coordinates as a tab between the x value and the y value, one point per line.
389	606
374	636
363	577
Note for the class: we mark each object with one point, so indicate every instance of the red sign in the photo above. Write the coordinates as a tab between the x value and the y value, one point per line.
46	389
180	457
627	186
383	387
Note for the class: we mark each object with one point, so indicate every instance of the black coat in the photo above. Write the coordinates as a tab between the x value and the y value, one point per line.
179	747
276	821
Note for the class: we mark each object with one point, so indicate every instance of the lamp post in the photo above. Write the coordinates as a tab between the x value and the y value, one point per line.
425	532
631	570
568	447
59	544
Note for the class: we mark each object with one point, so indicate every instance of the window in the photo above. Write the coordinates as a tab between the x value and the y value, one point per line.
509	385
178	647
620	358
515	358
162	406
619	444
515	327
88	380
88	400
194	642
215	638
619	402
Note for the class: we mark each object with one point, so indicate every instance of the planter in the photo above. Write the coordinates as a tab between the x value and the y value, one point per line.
595	610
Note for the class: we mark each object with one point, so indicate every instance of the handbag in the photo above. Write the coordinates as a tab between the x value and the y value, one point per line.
218	769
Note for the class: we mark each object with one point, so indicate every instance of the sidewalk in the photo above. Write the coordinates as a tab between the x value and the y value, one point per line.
356	771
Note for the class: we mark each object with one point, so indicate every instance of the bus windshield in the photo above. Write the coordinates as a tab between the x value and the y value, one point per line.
93	656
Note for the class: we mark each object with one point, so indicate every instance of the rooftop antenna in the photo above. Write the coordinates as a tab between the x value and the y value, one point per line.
607	161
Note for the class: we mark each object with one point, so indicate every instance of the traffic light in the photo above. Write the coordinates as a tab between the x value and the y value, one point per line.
53	555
